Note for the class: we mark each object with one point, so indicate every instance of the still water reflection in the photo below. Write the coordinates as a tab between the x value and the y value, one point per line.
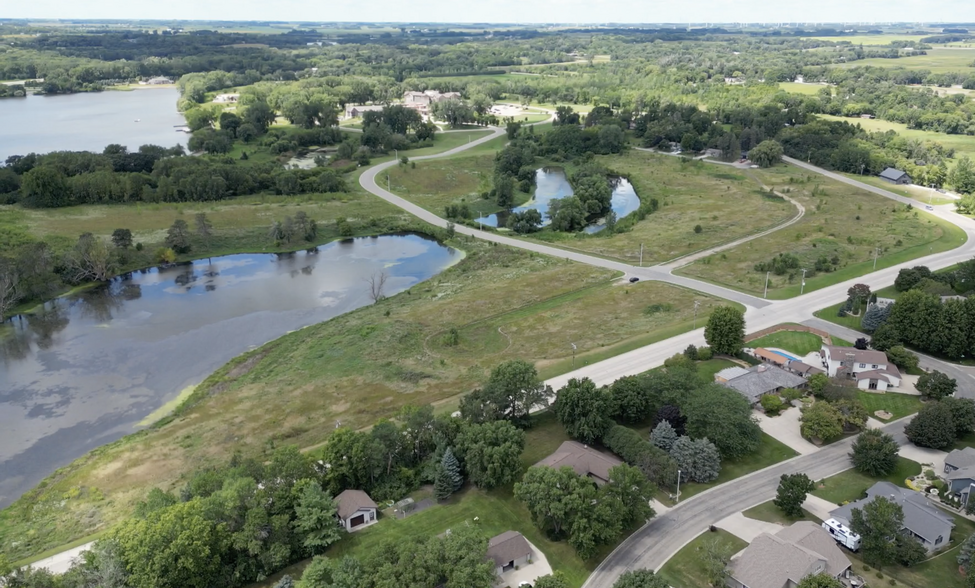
85	369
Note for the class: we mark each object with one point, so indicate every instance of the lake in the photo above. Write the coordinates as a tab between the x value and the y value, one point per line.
86	369
90	121
551	184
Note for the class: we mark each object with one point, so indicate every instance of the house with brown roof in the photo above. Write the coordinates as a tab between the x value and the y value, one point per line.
355	509
782	560
508	551
583	460
761	380
871	369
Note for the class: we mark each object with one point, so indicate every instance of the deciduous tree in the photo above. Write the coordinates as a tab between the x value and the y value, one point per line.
878	523
725	330
821	421
725	417
792	492
640	579
932	426
316	516
491	452
874	453
178	237
820	580
583	410
936	385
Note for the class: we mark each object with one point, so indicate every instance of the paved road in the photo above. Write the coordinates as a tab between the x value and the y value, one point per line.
665	535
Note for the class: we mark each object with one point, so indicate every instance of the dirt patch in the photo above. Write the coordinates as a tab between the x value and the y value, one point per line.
883	414
245	366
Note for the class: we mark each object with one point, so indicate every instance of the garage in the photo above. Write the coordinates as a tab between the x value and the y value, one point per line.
357	520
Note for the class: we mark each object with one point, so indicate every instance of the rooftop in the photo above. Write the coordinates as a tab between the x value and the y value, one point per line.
351	501
868	356
763	379
892	174
920	518
508	546
961	458
583	460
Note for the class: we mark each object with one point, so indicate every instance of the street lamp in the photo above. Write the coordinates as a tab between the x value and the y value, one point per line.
767	276
876	251
573	354
696	304
802	286
678	487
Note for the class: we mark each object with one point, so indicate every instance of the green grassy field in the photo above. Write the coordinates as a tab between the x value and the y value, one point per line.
923	196
358	368
962	144
686	568
840	220
725	203
851	484
807	89
884	39
899	405
794	341
938	60
770	452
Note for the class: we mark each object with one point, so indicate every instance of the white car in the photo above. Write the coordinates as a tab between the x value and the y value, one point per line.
928	207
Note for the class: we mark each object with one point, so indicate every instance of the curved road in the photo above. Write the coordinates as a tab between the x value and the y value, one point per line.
653	544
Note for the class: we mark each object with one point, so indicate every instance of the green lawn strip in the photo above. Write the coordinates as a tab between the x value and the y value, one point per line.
707	369
768	512
841	342
686	568
899	405
851	484
770	452
796	342
568	364
963	442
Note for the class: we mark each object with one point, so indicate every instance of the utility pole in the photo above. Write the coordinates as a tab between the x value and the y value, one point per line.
767	276
641	254
876	251
696	304
802	286
387	182
678	487
573	354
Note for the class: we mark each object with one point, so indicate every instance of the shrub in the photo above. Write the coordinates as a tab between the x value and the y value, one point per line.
771	404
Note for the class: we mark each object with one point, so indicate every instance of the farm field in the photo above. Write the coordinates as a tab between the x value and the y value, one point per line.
841	221
962	144
938	60
884	39
362	366
807	89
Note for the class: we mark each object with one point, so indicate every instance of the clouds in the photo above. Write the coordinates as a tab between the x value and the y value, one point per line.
539	11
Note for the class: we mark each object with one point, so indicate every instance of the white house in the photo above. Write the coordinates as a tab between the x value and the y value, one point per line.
871	369
356	510
226	98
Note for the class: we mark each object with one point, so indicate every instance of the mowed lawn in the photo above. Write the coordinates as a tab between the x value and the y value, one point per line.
361	367
851	484
795	341
841	221
770	452
807	89
962	144
899	405
937	60
726	203
768	512
686	568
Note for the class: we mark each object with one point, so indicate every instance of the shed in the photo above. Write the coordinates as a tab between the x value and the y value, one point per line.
355	509
895	176
508	551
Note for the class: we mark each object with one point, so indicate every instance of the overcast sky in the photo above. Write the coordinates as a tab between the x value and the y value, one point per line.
534	11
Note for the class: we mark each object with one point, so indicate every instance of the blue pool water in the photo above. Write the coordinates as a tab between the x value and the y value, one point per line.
784	354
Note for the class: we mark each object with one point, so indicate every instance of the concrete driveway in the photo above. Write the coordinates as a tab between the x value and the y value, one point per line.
785	428
818	507
929	458
59	563
745	528
537	568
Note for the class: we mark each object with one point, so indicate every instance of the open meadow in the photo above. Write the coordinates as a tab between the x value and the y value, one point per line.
937	60
841	222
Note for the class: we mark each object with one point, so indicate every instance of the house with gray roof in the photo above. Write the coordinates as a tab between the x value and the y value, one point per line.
961	483
895	176
508	551
782	560
584	461
763	379
959	458
355	509
927	523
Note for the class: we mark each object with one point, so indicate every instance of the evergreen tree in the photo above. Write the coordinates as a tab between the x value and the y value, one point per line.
663	436
448	479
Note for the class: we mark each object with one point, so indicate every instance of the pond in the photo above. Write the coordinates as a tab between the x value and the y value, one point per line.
90	121
552	184
86	369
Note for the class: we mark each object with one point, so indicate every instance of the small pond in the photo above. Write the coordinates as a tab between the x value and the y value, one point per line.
552	184
86	369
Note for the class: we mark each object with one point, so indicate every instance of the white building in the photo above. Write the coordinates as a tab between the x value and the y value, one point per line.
871	369
356	510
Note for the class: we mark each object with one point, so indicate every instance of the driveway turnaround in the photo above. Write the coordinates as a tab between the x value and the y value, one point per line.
785	428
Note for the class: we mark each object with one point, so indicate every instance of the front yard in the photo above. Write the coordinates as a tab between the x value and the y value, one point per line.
686	568
796	342
851	484
898	405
